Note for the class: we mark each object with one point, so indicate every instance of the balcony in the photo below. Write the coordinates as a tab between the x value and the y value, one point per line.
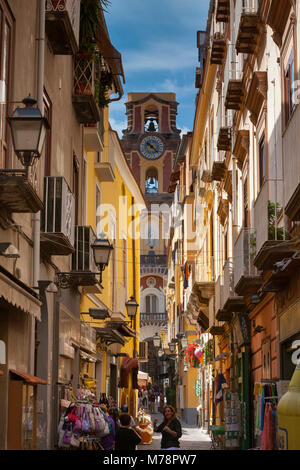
219	170
235	94
223	11
223	210
241	147
218	49
274	251
232	302
159	319
17	193
247	280
257	94
87	337
224	139
62	25
83	263
206	176
292	209
86	79
153	260
249	28
221	315
93	137
57	219
198	78
228	185
278	15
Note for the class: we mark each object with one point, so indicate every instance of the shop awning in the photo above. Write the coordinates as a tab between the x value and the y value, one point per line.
110	335
122	328
129	363
87	357
30	379
18	295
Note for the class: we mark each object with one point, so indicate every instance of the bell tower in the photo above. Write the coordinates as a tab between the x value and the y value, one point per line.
150	143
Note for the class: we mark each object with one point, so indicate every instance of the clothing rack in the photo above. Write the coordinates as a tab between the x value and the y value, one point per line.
270	398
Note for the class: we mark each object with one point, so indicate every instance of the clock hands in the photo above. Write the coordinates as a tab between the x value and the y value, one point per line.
151	146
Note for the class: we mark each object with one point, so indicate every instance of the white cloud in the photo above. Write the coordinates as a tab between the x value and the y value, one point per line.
118	125
161	56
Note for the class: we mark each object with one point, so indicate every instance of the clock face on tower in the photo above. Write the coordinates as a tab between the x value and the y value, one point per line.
152	147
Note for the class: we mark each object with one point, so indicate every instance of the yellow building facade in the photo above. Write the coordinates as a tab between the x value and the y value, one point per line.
113	204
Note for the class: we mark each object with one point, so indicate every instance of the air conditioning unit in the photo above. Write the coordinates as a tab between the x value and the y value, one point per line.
65	349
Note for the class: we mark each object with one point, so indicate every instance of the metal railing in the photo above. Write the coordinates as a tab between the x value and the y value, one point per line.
154	317
244	254
228	290
72	7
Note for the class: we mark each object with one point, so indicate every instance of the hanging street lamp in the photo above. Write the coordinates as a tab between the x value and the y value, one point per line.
102	250
28	131
131	307
156	340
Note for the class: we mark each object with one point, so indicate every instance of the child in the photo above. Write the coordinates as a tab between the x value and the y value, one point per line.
126	437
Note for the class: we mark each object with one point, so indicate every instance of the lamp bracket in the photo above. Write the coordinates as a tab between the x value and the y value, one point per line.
72	279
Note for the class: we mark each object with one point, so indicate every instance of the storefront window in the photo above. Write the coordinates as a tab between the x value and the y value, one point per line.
28	417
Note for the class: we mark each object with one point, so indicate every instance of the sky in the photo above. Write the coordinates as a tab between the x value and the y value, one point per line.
157	41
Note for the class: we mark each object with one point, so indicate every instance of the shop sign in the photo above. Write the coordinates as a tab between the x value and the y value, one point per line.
2	352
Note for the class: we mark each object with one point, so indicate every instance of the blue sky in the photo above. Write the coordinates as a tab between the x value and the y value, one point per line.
157	40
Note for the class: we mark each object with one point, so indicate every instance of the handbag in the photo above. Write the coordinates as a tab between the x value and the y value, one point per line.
72	416
86	425
105	431
75	440
67	436
92	419
99	421
78	424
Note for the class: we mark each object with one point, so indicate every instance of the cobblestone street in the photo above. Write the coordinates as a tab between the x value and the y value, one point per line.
192	438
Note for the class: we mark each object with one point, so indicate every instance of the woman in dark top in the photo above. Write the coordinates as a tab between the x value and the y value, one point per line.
170	429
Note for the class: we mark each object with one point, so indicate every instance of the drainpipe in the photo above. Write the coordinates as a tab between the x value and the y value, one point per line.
37	216
133	270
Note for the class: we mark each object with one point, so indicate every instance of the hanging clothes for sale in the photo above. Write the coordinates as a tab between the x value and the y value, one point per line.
220	380
266	414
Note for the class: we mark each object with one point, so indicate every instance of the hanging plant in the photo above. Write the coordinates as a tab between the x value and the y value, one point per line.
103	87
90	14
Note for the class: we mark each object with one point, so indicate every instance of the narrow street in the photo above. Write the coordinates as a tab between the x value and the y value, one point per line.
192	438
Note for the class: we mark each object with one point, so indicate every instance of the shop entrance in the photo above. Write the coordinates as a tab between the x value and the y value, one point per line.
113	389
21	433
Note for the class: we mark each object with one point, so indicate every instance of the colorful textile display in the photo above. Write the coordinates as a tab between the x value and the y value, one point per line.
220	380
266	414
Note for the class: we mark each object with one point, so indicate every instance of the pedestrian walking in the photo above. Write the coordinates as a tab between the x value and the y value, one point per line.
170	429
108	441
151	398
145	399
126	437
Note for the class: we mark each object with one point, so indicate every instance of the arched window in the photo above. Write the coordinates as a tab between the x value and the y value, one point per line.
151	184
151	303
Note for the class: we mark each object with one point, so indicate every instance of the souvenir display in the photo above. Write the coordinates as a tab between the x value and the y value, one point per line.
82	424
144	427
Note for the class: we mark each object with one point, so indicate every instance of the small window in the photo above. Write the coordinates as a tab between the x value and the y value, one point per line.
289	79
151	304
262	161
